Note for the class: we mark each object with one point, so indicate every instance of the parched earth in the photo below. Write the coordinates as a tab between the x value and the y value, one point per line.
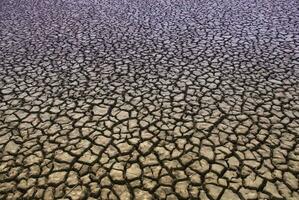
149	99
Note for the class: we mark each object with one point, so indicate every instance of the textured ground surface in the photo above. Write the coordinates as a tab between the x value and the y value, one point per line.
149	99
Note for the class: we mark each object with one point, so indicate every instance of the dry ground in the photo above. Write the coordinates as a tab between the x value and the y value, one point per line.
149	99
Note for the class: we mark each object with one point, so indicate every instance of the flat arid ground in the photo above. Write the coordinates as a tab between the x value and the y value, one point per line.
149	99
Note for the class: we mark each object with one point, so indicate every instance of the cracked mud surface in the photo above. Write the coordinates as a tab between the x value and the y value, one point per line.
149	99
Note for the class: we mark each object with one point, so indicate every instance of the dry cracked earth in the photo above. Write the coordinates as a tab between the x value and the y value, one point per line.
149	99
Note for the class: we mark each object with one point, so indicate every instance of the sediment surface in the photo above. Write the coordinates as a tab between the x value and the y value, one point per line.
149	99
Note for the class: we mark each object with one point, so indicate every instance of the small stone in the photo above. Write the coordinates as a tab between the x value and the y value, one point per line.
233	162
141	194
214	190
39	194
72	179
228	194
134	171
82	121
55	109
63	120
166	180
122	115
88	157
241	130
102	140
277	174
6	187
78	193
59	191
94	188
241	117
116	174
122	191
144	147
64	157
182	188
30	118
56	178
195	178
97	110
41	181
6	91
270	188
233	138
23	185
35	170
105	181
253	181
201	166
124	147
217	168
85	179
32	159
291	180
277	82
4	138
11	147
53	129
49	194
204	125
248	194
207	152
163	191
80	59
179	97
212	86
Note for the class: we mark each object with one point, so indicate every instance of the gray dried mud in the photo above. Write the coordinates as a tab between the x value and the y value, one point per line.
149	99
